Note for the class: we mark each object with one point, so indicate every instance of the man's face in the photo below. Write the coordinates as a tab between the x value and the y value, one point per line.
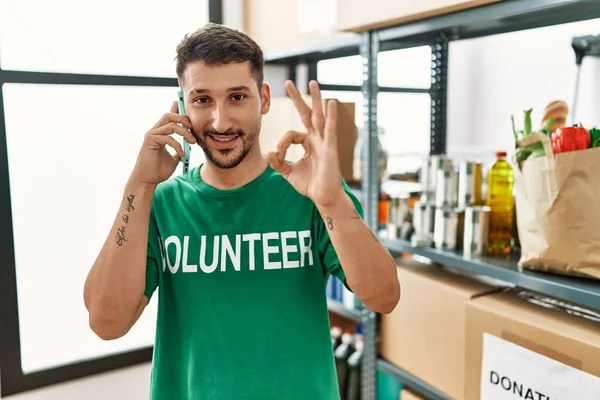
225	107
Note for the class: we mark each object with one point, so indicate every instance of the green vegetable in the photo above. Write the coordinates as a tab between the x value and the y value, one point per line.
594	137
533	150
537	150
512	119
527	123
522	154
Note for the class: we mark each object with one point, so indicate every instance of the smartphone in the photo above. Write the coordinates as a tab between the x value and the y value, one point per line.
186	145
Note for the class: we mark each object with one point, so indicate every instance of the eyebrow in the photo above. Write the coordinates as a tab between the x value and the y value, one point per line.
240	88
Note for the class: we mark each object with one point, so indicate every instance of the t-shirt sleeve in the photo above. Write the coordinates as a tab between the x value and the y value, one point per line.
326	250
153	256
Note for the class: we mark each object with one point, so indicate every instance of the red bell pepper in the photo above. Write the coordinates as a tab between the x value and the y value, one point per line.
570	138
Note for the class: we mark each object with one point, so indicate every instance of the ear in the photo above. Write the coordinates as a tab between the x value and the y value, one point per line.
265	95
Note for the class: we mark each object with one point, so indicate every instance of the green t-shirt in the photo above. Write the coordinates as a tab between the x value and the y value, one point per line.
242	308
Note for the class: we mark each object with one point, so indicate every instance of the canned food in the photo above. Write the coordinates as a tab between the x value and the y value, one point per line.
437	162
469	184
445	227
444	195
396	219
423	214
476	230
394	208
399	210
425	180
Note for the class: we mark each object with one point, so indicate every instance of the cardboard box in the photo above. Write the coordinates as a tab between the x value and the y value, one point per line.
517	349
406	394
281	26
283	116
425	334
355	17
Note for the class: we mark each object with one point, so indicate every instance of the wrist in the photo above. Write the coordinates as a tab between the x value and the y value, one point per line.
134	185
340	207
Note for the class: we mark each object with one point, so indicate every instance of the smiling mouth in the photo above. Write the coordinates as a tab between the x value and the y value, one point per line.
223	138
223	142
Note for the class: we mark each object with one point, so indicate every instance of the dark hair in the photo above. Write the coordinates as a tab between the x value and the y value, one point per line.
215	44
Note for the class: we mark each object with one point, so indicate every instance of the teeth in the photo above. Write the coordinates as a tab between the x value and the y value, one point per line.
224	138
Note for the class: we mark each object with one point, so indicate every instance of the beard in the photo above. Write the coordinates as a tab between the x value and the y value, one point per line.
228	158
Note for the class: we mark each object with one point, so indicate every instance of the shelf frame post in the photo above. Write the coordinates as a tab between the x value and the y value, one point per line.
369	50
439	94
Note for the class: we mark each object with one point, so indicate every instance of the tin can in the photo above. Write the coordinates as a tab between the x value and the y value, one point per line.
476	230
396	219
399	210
469	184
436	162
423	214
425	180
444	194
445	227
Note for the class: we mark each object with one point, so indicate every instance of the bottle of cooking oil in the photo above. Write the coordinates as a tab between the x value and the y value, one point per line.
499	199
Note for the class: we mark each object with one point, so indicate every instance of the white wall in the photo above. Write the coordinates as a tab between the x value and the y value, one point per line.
491	78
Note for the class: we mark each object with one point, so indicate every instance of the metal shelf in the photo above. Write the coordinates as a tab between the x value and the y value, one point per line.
347	44
341	310
411	382
501	17
585	292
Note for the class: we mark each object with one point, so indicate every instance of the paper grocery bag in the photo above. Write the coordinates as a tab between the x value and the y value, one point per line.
558	210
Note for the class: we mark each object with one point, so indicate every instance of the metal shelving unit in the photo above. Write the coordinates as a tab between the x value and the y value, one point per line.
410	381
341	309
582	291
438	32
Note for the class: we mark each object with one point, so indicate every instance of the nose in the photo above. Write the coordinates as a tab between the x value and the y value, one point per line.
221	122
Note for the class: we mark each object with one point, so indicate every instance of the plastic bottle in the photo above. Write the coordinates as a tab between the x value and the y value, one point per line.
342	352
354	374
348	298
499	198
384	209
336	336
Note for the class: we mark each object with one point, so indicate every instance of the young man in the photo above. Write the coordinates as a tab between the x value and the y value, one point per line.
241	246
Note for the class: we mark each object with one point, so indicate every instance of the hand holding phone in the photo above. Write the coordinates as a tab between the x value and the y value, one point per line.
186	145
154	164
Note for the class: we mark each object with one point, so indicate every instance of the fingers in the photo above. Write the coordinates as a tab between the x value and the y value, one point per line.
292	137
173	116
278	165
318	118
330	131
301	106
162	141
173	127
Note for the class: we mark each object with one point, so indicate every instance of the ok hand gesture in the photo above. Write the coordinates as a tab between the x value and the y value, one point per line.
317	175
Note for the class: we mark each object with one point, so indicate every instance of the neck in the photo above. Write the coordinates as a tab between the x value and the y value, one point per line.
249	169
